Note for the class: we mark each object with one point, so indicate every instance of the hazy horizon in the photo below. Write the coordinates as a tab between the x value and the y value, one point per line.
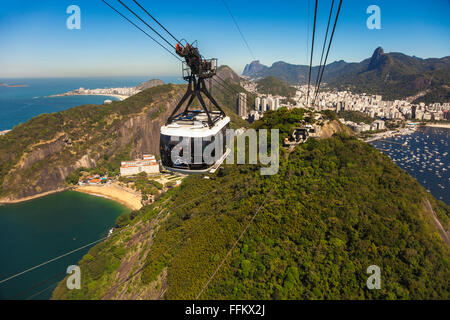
39	44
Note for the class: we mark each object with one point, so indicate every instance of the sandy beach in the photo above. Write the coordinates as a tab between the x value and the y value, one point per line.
118	96
438	125
114	192
40	195
2	133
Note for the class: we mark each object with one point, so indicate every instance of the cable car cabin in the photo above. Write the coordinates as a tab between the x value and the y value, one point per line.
189	145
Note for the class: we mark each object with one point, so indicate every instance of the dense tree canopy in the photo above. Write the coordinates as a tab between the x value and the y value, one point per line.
336	207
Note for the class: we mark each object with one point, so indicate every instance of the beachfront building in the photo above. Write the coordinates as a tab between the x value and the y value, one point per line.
2	133
147	164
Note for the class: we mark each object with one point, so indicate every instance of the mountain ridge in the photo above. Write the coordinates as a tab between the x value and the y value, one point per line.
393	75
37	156
150	84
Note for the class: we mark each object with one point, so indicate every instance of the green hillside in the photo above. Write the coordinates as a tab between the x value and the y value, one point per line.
355	116
40	155
440	93
273	85
336	207
36	149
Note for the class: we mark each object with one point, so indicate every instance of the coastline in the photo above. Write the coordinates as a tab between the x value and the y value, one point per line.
37	196
13	85
438	125
2	133
389	134
113	192
117	96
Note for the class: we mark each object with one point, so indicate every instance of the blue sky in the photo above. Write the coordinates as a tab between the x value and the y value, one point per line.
36	43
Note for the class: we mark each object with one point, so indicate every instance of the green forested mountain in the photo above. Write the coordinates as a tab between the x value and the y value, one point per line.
275	86
38	156
439	93
336	207
355	116
286	72
393	75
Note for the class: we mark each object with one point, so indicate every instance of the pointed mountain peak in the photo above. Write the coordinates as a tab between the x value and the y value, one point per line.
253	68
378	51
376	59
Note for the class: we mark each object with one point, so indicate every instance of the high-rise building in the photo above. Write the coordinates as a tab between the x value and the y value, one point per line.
419	115
271	103
413	111
257	103
378	124
264	104
241	105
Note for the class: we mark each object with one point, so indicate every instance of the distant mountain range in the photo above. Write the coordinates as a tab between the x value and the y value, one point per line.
393	75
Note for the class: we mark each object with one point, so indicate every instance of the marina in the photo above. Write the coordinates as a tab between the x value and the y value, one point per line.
424	155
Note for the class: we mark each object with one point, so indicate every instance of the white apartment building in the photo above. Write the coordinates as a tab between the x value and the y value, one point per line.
263	104
147	164
257	103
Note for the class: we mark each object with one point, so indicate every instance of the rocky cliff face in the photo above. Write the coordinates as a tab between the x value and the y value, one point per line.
253	68
46	165
43	150
376	58
333	127
83	136
380	61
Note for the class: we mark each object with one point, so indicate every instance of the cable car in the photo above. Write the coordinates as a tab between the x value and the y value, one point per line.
194	141
185	140
190	126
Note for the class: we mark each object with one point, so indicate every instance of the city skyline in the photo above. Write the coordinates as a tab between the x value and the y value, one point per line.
38	43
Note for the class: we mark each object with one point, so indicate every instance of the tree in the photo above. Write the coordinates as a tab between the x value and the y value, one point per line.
123	220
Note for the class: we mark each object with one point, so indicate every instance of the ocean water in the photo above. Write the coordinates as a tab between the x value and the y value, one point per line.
425	156
19	104
41	229
36	231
